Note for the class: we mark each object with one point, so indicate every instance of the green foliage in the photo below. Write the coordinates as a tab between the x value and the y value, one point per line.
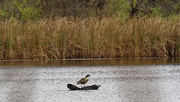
21	9
157	11
25	10
121	7
166	8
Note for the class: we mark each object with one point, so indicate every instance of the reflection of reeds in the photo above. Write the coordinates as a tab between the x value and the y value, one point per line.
89	38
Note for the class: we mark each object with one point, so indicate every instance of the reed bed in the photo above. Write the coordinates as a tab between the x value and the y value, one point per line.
110	37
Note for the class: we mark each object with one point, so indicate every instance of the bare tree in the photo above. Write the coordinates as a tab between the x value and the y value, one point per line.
71	7
140	6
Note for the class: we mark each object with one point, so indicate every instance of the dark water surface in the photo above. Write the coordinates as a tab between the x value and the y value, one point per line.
155	80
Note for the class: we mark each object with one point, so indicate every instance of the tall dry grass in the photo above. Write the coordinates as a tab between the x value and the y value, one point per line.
110	37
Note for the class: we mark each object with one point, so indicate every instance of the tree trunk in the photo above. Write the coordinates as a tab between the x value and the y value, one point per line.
92	87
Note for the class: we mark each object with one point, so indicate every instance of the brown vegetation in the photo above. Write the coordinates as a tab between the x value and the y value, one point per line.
71	7
110	37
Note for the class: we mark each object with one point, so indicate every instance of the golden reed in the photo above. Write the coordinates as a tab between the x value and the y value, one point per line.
110	37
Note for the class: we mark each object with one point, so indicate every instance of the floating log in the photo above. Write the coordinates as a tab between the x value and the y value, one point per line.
74	87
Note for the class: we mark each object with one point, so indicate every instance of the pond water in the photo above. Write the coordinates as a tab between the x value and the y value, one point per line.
154	81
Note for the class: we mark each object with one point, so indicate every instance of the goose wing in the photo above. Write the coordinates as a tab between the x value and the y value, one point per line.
81	81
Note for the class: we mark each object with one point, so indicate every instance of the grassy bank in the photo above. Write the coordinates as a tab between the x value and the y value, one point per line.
111	37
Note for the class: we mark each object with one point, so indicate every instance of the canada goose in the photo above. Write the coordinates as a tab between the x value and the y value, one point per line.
83	80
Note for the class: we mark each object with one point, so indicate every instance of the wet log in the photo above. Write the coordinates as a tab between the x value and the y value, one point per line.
74	87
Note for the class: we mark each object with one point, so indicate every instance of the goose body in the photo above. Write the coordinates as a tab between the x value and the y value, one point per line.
83	80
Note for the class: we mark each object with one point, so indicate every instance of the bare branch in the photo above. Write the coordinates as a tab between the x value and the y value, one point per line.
139	3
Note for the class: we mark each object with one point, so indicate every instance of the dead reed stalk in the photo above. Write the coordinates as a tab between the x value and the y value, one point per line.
110	37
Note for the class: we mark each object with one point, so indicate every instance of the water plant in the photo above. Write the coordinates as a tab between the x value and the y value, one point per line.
110	37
